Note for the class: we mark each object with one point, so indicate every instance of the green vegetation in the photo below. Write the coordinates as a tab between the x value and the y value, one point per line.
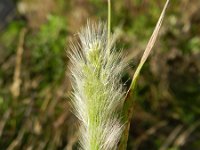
167	97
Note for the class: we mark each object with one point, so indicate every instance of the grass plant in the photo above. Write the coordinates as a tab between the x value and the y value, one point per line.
99	99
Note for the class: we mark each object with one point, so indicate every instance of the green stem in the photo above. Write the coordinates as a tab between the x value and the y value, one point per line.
109	21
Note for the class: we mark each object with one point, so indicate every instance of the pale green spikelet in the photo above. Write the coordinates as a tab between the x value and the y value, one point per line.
98	92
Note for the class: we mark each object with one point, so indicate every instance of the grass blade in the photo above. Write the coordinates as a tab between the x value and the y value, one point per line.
128	104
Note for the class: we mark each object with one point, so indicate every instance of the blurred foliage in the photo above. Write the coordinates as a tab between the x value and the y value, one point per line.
47	49
167	100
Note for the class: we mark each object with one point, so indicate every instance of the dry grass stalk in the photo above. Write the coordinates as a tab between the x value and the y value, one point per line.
15	88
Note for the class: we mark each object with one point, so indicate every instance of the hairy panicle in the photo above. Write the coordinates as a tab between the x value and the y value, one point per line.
98	93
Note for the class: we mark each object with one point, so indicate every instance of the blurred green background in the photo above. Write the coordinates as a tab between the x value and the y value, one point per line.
35	112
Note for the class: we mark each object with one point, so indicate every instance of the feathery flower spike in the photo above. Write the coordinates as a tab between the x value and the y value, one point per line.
98	92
